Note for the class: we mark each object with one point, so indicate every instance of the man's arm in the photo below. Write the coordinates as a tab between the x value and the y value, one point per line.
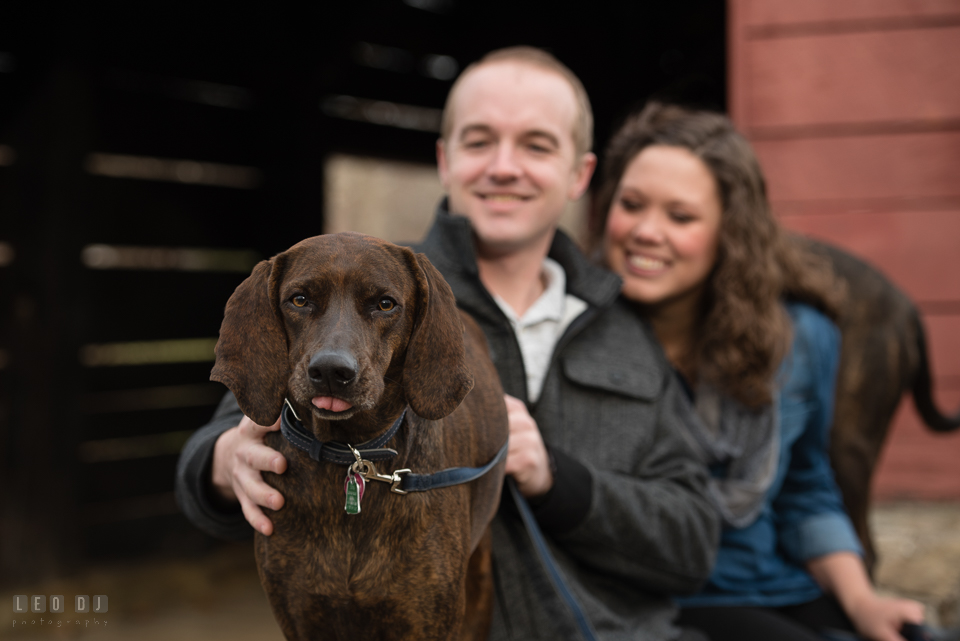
219	485
655	528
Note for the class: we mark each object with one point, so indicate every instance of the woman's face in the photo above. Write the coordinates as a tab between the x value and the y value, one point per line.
664	226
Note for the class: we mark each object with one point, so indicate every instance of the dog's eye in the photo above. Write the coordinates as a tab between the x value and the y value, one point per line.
385	304
300	300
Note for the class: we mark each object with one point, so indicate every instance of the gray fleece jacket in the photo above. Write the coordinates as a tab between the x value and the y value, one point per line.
628	520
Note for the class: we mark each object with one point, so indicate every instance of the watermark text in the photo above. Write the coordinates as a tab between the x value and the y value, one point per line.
26	607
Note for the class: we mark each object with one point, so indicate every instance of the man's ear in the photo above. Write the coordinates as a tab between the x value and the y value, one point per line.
581	175
442	168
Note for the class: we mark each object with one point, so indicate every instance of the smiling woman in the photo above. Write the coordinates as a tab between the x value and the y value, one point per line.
663	230
686	224
703	183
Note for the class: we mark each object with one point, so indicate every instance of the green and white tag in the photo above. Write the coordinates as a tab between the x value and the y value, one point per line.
353	486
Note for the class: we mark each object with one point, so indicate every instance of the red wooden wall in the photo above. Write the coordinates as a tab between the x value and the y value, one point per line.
854	109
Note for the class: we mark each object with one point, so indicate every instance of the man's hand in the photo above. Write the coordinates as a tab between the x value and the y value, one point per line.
527	459
239	457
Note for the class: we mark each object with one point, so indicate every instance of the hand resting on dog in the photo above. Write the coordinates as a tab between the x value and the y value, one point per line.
239	458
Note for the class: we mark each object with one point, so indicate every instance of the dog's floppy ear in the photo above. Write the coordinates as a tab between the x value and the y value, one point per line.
435	374
252	349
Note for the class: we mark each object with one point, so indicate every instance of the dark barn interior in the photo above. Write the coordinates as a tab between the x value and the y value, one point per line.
150	156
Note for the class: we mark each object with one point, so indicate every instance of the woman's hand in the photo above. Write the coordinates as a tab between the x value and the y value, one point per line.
881	618
878	618
527	459
239	458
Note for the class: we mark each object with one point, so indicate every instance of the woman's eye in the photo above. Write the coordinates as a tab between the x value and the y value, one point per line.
681	217
299	300
385	304
630	205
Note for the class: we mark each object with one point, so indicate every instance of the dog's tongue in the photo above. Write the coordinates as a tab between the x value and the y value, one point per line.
331	403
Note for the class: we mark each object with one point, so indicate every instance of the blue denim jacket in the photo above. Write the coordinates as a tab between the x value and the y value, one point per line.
763	564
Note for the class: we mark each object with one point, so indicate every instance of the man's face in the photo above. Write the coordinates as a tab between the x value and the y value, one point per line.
509	164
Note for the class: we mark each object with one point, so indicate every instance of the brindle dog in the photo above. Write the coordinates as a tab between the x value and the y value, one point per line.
883	355
351	330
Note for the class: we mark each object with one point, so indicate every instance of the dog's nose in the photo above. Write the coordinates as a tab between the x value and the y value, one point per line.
333	368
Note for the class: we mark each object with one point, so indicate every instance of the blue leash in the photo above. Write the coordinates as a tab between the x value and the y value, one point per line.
546	559
402	481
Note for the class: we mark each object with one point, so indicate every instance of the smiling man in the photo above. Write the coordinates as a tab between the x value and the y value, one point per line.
615	489
509	160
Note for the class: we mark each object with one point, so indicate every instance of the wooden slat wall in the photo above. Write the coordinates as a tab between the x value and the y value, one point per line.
854	110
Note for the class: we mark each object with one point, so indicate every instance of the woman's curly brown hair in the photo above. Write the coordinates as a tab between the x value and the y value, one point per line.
745	330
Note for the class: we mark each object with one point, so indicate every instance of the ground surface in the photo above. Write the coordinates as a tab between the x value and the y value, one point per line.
219	597
919	545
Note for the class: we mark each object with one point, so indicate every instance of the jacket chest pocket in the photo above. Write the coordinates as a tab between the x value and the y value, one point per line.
608	413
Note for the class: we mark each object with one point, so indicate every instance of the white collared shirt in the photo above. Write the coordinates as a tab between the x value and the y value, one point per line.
542	325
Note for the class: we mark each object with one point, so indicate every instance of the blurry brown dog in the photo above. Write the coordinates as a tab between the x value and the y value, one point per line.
883	355
351	330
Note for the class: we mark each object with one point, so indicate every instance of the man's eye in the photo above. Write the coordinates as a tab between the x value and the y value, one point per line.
299	300
386	304
475	143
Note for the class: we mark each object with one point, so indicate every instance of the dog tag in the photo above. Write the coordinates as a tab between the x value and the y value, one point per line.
353	487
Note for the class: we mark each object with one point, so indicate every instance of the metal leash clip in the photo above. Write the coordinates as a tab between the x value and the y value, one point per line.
368	470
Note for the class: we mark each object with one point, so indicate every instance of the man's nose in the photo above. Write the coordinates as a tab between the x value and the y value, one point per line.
504	165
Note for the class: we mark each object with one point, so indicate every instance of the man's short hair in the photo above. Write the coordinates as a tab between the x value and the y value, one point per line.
583	125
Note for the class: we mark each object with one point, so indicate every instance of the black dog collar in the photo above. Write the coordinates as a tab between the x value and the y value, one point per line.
331	451
343	454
